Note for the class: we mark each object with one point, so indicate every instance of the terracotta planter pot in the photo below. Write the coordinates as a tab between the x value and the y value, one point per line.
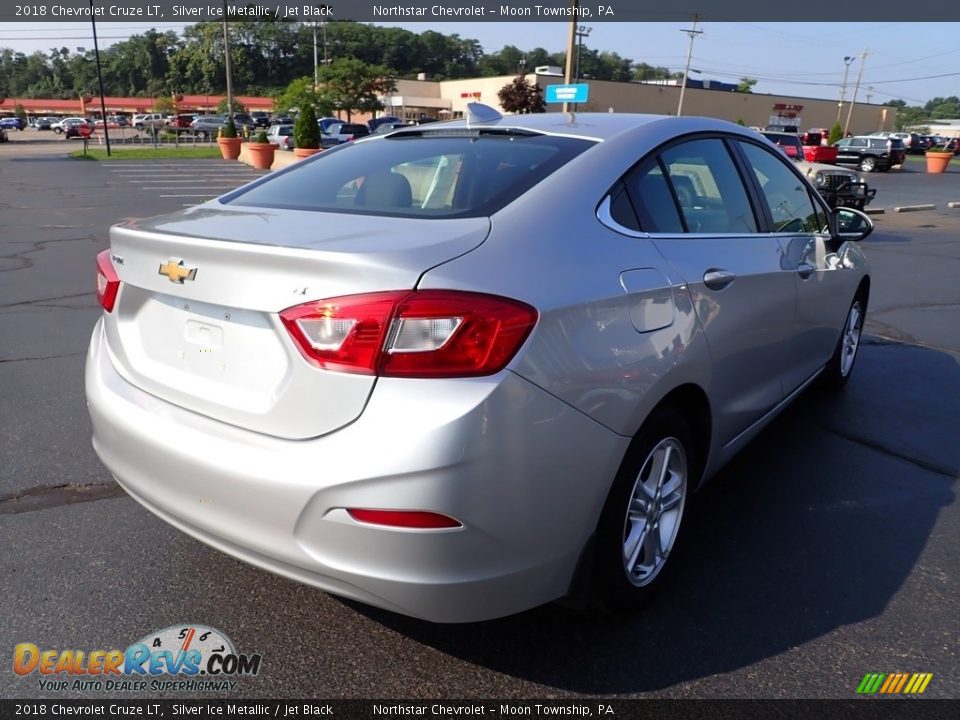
305	152
937	161
229	147
261	154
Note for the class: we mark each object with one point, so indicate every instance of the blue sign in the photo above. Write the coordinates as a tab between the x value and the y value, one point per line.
567	93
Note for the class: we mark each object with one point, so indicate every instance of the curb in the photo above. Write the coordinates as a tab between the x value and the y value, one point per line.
914	208
953	204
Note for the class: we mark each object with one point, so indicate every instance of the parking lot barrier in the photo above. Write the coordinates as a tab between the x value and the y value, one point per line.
914	208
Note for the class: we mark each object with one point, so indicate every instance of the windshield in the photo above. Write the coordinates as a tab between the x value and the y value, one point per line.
467	174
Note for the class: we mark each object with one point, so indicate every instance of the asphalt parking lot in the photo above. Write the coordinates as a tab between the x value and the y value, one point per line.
827	550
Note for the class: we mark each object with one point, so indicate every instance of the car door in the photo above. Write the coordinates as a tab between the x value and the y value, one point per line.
849	150
823	283
693	198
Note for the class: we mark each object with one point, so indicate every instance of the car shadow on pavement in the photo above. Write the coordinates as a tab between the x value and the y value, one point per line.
816	525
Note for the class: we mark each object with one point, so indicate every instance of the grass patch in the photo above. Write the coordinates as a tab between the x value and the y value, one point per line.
147	153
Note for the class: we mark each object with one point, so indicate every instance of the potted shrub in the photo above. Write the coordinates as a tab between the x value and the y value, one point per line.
228	141
938	157
261	151
306	133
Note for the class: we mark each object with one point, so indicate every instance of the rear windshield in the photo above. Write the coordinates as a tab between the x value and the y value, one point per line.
469	174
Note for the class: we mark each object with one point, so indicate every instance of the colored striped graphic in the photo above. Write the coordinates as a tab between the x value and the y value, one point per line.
894	683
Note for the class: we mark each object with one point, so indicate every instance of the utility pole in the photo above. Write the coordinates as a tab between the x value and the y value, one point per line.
226	54
316	74
863	60
692	34
869	94
571	47
103	101
843	88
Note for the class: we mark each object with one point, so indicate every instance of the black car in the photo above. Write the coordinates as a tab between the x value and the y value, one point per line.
260	119
871	153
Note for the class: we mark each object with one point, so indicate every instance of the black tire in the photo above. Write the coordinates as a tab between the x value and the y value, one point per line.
621	583
58	131
868	163
838	370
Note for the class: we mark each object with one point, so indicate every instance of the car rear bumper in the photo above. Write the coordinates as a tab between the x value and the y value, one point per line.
524	473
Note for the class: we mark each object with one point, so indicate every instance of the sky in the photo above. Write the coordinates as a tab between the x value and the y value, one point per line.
910	61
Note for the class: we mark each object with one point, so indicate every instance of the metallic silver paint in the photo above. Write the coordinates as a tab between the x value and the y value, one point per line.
261	461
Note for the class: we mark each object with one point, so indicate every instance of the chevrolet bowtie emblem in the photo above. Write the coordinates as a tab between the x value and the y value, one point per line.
176	272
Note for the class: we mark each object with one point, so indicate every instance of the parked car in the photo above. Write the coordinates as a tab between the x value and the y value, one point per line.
245	123
838	186
149	121
387	127
326	122
871	153
182	121
347	372
347	132
119	120
13	123
207	126
44	123
3	135
61	126
911	141
281	120
282	135
260	119
383	120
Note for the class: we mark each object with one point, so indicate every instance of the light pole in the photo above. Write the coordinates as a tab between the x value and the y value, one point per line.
856	88
843	88
582	32
692	34
103	101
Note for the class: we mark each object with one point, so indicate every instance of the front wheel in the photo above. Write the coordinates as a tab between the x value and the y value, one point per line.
868	164
641	518
840	367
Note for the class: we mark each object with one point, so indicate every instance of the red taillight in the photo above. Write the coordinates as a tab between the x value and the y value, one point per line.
108	282
404	518
425	334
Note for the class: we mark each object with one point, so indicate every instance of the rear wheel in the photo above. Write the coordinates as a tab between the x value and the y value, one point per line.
868	164
641	519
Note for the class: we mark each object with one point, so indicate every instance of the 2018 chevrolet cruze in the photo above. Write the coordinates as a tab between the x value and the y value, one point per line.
459	369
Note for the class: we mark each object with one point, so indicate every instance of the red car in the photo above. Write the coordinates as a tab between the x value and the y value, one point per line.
181	121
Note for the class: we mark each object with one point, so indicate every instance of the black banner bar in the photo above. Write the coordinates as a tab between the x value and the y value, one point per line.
855	709
433	11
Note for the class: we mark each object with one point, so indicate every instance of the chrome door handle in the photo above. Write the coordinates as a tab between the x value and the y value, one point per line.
805	270
718	279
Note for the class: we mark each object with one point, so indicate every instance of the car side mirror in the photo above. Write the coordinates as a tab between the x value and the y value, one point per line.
849	225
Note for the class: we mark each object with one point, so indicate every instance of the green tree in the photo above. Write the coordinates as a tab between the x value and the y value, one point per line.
20	112
164	104
519	96
746	85
223	107
306	131
352	85
299	94
836	132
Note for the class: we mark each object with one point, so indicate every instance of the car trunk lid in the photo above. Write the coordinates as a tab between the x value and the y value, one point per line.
196	321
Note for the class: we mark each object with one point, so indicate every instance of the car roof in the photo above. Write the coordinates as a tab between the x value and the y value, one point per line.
589	126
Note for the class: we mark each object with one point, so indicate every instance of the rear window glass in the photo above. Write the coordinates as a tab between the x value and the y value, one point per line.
464	175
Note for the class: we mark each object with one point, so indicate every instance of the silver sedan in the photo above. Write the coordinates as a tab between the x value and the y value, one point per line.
467	368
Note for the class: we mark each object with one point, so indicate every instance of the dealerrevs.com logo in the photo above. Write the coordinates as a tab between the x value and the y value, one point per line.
181	657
